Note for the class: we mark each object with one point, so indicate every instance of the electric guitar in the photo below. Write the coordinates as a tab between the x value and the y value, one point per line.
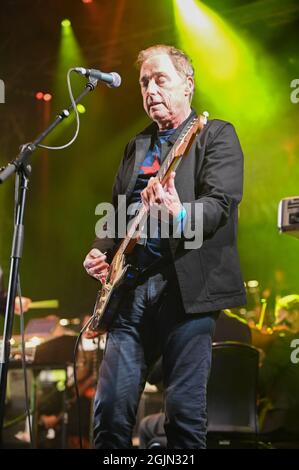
120	272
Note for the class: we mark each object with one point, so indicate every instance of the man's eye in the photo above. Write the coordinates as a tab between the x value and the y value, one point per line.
161	80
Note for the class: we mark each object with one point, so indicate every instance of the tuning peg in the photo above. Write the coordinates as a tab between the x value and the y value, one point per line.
206	115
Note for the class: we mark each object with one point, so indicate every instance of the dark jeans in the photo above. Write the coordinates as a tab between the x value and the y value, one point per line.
151	322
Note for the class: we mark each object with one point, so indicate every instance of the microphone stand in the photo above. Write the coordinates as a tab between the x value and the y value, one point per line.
21	166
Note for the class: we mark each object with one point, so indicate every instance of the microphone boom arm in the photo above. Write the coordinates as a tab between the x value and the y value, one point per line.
21	166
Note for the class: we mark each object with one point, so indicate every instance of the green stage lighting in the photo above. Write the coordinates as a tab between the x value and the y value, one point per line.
81	109
235	79
66	23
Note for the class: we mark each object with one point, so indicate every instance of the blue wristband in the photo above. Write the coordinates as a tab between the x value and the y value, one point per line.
181	214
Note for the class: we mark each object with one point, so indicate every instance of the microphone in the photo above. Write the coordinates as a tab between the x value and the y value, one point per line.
112	79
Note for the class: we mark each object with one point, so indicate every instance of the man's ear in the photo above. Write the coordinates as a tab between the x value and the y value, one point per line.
189	85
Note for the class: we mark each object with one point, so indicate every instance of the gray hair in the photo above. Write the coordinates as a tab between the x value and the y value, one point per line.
180	60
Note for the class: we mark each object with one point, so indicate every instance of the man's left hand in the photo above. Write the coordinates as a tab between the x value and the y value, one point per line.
25	304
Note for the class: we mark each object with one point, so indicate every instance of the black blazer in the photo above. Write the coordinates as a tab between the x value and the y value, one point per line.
212	173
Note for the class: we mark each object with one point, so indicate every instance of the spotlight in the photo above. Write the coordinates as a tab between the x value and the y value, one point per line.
66	23
252	283
86	1
47	97
81	108
39	95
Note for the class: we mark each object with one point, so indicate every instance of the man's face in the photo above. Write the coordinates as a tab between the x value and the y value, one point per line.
165	92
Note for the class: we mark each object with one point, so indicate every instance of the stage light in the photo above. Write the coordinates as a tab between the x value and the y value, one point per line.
47	97
81	108
202	30
86	1
226	64
39	95
252	283
66	23
69	55
33	342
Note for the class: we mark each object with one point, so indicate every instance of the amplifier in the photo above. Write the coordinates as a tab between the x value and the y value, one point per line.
288	216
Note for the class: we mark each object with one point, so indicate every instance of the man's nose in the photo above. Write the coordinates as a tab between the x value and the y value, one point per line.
152	87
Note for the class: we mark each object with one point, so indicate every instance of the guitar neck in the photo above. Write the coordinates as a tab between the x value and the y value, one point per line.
137	223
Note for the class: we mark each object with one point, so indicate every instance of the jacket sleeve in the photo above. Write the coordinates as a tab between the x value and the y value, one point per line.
219	185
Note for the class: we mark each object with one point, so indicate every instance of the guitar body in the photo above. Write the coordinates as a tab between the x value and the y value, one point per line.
120	276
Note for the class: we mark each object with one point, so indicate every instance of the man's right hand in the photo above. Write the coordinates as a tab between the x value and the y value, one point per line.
95	265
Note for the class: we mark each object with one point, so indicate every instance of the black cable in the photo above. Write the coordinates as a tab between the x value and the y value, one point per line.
23	355
76	381
22	326
77	389
74	106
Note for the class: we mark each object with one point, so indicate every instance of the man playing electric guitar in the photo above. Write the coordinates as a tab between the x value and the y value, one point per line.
172	308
